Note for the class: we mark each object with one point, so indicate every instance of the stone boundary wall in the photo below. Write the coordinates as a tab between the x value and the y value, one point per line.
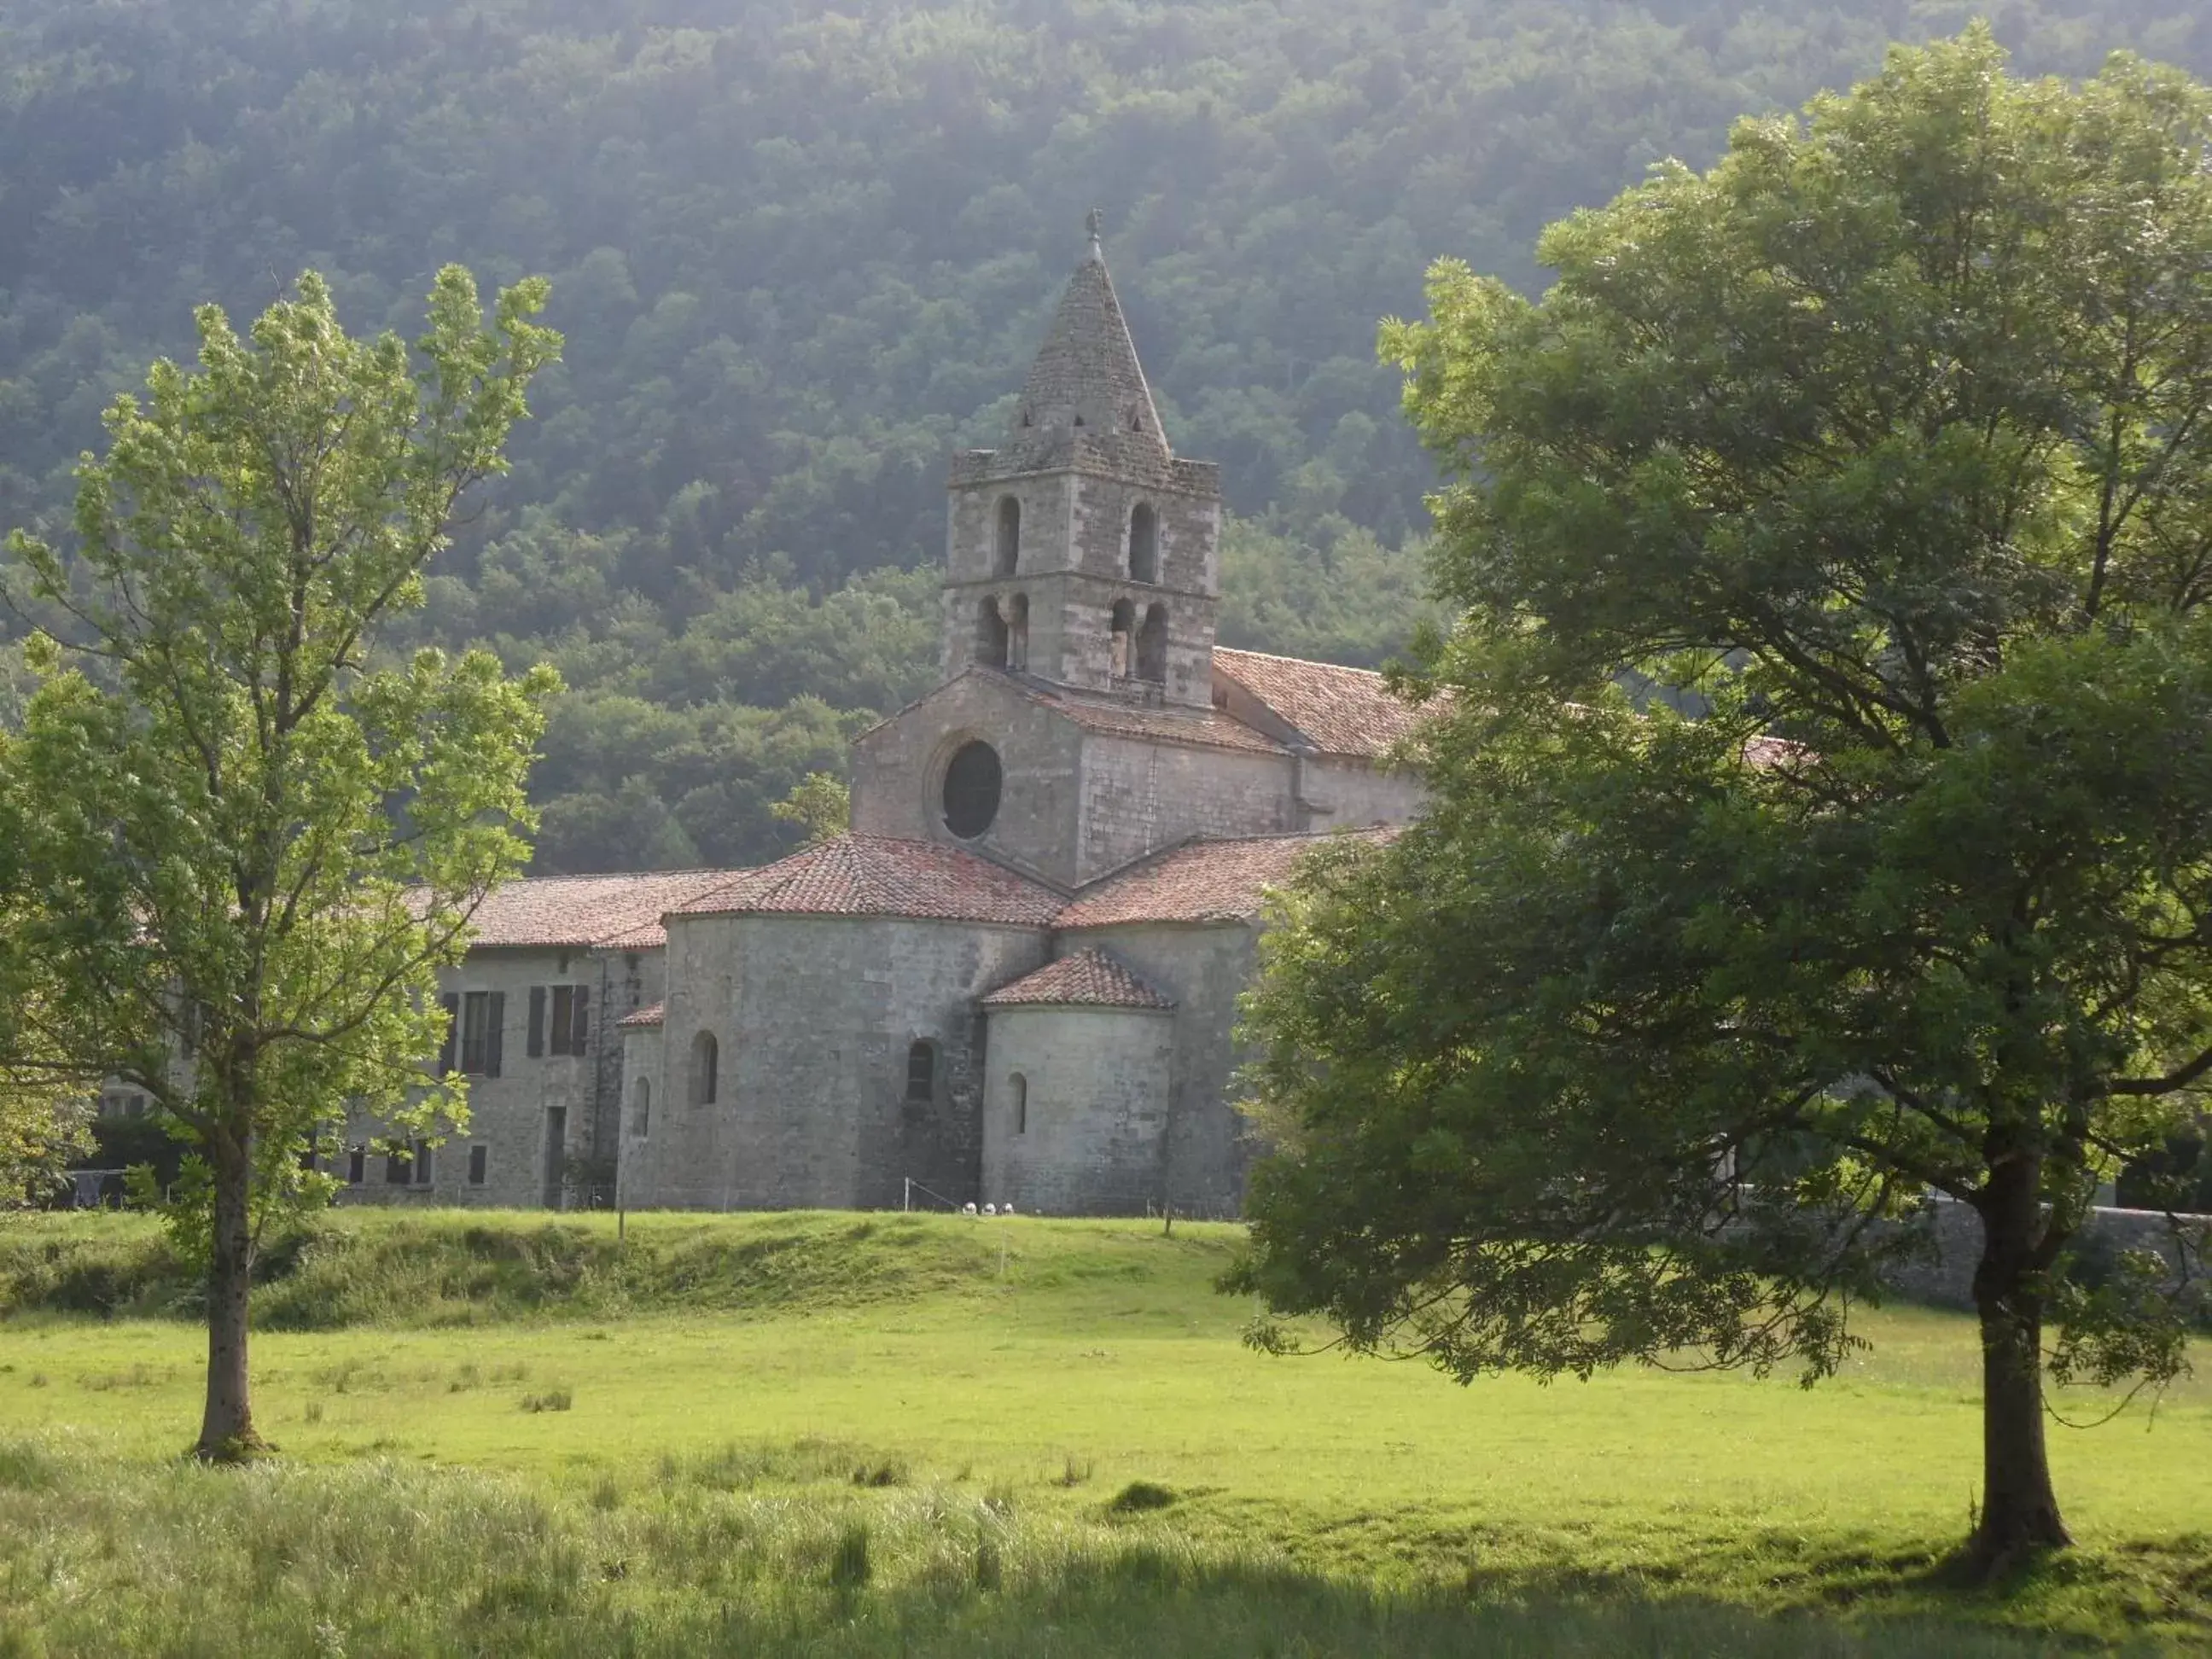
1944	1277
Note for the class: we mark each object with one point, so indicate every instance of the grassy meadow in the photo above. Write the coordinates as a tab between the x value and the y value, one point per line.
848	1434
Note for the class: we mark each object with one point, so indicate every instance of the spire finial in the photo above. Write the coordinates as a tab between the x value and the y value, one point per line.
1095	222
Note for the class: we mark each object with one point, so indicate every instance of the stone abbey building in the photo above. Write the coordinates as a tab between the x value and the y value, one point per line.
1015	981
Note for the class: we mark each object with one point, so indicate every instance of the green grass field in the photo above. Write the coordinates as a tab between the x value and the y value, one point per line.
844	1434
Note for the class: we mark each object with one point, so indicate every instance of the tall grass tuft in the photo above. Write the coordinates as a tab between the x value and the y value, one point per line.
102	1555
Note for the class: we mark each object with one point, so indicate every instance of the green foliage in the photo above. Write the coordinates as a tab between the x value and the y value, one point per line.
820	805
800	253
1888	445
243	841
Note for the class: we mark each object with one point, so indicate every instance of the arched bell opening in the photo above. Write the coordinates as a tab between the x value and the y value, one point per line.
1144	543
990	634
1152	646
1123	638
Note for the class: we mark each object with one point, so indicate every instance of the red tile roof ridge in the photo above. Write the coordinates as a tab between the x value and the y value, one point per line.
1339	709
583	911
643	1018
1203	879
1085	978
884	876
1303	662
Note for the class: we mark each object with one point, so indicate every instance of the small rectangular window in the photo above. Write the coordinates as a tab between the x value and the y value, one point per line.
451	1003
423	1177
484	1015
922	1072
396	1170
571	1018
480	1157
537	1044
356	1165
475	1032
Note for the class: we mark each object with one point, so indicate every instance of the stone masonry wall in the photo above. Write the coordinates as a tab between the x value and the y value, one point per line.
1139	796
1337	793
1091	1130
629	981
510	1115
898	773
1945	1276
1074	567
1204	968
642	1063
814	1016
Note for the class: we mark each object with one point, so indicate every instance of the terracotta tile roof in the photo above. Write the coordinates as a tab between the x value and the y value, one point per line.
576	912
1203	728
642	1019
1089	978
646	936
877	875
1199	881
1343	711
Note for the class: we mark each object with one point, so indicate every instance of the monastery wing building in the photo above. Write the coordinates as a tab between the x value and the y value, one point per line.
1016	980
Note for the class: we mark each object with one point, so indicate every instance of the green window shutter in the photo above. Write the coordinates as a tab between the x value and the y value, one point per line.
537	1021
580	1033
452	1004
494	1036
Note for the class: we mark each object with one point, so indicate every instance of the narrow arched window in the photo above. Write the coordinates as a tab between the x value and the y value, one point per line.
990	636
1008	556
922	1072
1152	646
1144	543
641	1109
706	1060
1018	1086
1125	629
1017	633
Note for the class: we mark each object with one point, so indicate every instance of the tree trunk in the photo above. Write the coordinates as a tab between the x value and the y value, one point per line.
2020	1510
227	1433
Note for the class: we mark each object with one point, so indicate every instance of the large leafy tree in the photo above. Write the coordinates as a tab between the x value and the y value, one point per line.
242	843
1884	449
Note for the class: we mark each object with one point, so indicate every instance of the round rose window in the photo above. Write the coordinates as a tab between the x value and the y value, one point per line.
971	790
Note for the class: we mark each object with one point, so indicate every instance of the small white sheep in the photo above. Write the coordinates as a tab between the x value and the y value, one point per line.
968	1209
990	1209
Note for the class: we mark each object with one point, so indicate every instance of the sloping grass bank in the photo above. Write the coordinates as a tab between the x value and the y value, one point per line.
743	1556
1045	1435
431	1268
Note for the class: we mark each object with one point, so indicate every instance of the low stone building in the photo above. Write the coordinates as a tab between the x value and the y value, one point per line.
554	965
1015	981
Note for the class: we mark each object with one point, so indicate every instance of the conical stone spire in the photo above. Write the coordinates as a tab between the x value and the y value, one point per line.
1086	387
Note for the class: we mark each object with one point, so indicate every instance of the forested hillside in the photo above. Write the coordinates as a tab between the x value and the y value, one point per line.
799	252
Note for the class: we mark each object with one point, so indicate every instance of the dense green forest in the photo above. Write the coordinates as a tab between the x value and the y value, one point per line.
800	252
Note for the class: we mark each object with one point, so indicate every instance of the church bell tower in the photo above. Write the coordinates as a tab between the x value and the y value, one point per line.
1082	552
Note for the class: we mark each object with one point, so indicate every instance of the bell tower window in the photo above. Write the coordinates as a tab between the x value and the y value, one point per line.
1152	646
990	634
1008	554
1124	632
1017	633
1144	543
